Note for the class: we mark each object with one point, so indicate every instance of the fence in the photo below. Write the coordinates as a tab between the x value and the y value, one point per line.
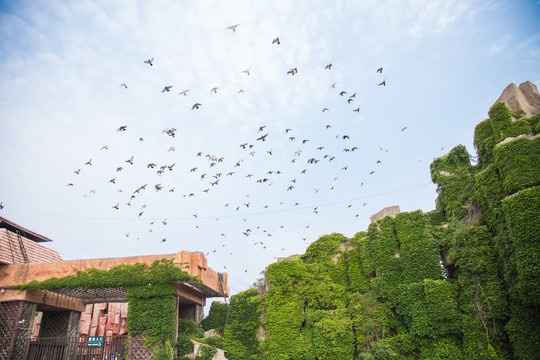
75	348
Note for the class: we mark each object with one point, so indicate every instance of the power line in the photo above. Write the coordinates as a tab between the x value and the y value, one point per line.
226	216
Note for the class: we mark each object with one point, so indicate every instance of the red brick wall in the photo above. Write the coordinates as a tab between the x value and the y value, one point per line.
11	253
104	319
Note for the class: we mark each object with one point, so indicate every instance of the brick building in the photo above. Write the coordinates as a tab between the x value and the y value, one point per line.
64	312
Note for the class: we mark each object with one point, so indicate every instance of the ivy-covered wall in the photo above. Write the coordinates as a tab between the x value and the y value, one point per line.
151	297
460	282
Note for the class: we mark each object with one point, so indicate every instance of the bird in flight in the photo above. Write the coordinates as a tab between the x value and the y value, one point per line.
121	128
130	160
292	71
149	61
383	83
166	88
263	138
247	71
328	67
214	89
342	93
325	109
276	41
195	106
233	27
404	128
184	92
379	70
104	147
333	86
124	85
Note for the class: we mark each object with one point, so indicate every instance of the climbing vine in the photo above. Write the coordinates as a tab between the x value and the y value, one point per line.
459	282
149	290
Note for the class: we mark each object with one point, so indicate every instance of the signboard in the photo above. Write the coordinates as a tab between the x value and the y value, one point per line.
95	341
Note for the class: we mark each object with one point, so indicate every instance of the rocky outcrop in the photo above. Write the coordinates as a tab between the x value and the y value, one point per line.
525	97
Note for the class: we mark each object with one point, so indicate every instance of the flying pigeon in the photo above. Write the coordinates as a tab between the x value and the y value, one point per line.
149	61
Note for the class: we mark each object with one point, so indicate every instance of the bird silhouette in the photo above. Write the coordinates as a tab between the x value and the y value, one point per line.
379	70
121	128
247	71
328	67
404	128
124	85
195	106
184	92
325	109
292	71
167	88
383	83
276	41
149	61
214	89
233	27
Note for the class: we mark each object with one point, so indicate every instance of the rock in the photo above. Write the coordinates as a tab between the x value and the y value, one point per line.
210	333
525	98
387	211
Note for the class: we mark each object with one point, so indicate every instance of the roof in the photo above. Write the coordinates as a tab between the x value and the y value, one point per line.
29	234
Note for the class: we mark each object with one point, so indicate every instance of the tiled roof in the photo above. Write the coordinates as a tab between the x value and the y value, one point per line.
29	234
11	251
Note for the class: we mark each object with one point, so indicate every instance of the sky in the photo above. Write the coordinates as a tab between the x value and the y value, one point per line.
273	157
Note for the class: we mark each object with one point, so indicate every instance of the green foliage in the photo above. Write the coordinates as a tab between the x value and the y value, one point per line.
160	272
519	163
152	313
243	322
324	248
484	141
187	329
217	316
455	184
149	291
418	253
488	195
534	122
500	120
522	215
206	352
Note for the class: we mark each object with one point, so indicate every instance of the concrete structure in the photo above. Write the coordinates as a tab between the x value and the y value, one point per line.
387	211
104	311
525	97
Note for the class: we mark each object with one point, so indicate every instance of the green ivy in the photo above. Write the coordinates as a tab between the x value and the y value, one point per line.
150	293
518	161
217	316
242	326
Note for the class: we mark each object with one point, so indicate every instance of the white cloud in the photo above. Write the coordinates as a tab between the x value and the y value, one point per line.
501	45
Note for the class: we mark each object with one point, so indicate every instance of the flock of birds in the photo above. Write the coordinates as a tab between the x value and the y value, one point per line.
212	171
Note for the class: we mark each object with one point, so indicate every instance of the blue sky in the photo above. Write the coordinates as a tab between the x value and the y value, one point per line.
62	62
